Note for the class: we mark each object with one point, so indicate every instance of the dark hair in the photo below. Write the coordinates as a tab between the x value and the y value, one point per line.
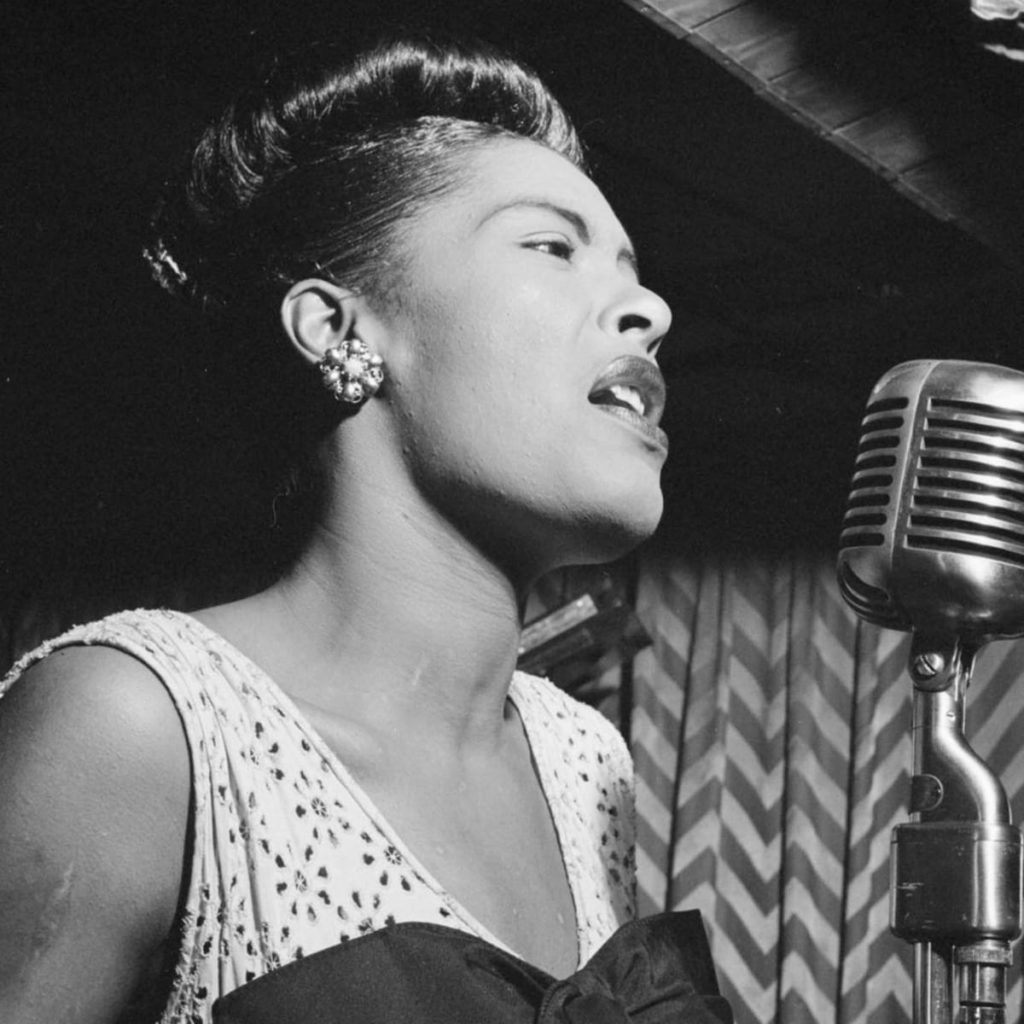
310	172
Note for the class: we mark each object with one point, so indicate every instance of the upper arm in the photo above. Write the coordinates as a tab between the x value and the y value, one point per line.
94	795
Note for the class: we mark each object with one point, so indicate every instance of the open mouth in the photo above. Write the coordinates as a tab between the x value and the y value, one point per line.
633	389
625	396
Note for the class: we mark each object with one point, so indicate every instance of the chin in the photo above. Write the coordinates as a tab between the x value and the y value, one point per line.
612	531
570	522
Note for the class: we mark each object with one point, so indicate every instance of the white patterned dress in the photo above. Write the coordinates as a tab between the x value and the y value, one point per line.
289	854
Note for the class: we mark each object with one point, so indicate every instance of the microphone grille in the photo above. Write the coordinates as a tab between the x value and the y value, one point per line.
968	488
933	533
867	523
874	473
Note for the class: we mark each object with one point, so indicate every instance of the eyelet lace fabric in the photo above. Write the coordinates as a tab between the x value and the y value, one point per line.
289	854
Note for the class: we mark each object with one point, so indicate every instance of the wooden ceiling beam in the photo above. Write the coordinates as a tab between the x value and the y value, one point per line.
889	93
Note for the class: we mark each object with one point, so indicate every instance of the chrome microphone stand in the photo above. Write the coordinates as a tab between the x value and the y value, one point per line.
933	543
956	867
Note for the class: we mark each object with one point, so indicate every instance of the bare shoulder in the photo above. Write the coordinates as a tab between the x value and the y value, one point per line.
94	680
94	800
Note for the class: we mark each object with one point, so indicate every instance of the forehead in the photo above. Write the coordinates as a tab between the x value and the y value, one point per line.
509	174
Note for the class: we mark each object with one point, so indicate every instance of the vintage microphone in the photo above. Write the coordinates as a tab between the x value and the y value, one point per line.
933	542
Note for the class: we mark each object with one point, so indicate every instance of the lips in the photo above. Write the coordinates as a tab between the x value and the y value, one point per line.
633	389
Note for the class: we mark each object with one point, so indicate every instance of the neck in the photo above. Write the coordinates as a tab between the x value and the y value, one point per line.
389	620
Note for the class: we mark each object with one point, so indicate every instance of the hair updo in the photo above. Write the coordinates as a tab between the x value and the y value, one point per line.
312	171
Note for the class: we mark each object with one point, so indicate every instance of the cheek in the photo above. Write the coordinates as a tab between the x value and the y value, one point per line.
492	430
490	380
484	348
483	410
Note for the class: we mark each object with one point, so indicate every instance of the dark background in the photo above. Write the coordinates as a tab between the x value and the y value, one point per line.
798	274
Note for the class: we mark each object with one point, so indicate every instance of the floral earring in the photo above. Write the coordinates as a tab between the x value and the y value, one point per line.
351	372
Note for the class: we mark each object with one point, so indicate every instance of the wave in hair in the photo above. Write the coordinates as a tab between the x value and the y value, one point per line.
315	165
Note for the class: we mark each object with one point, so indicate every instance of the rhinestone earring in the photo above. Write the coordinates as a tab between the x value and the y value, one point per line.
351	372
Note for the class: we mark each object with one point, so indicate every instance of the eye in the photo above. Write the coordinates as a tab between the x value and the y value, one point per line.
560	248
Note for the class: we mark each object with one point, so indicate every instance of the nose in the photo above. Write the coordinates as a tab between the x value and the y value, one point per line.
641	315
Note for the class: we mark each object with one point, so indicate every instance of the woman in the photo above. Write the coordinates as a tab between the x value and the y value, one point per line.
189	801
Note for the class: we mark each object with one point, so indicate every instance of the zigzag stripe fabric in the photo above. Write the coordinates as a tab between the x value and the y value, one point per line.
771	733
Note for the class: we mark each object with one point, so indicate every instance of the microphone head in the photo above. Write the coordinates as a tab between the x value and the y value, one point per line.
933	535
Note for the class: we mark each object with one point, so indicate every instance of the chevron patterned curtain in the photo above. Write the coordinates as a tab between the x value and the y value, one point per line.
771	732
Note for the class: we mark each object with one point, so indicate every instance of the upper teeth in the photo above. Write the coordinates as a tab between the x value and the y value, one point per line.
628	396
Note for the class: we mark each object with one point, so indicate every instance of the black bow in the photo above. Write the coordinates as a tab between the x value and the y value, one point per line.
654	971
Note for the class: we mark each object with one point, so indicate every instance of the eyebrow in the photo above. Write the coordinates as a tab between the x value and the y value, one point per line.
626	254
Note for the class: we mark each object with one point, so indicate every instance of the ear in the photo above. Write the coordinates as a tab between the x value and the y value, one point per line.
318	315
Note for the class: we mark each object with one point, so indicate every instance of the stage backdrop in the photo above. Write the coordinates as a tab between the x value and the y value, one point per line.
771	732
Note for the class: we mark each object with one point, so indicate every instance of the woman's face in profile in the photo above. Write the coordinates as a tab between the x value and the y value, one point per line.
523	369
